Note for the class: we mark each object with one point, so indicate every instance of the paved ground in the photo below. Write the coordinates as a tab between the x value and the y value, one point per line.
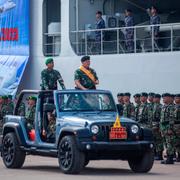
47	168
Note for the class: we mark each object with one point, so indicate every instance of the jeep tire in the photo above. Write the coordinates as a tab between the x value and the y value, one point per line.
71	160
12	155
143	163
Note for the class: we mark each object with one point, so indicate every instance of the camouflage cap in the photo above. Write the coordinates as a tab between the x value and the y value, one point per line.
144	94
120	94
32	98
157	96
136	95
49	60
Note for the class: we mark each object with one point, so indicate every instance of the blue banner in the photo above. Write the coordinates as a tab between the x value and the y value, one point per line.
14	43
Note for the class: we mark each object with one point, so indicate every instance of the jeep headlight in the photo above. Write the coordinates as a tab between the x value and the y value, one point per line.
134	129
95	129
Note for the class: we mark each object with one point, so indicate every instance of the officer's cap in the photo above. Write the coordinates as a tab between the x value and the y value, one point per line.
136	95
166	95
127	94
49	60
85	58
32	98
157	96
144	94
177	95
151	94
120	94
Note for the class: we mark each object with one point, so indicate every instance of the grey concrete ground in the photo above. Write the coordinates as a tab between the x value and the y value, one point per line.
42	168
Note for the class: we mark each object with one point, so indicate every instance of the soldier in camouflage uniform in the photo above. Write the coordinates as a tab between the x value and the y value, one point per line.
10	103
30	114
120	103
177	126
138	103
21	109
85	77
156	116
166	125
143	116
128	108
50	76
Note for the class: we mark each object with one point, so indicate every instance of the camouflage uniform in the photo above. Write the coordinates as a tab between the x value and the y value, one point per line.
136	111
129	33
177	128
120	109
156	129
30	118
49	79
21	109
166	126
143	116
84	79
128	110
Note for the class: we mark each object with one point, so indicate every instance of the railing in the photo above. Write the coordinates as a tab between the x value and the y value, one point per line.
52	44
115	41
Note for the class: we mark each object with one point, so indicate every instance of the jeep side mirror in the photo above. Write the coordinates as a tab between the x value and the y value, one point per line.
47	107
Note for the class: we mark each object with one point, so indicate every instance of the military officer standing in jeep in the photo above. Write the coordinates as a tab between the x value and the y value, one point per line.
30	114
85	77
50	76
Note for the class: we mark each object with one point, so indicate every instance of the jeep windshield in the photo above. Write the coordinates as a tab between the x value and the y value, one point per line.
73	102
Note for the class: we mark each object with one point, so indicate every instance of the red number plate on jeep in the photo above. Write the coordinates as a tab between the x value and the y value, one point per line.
118	133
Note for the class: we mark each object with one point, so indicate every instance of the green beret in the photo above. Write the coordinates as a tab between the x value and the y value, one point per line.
157	96
5	97
49	60
177	95
10	97
32	98
151	94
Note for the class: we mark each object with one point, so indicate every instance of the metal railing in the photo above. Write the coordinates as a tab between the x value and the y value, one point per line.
115	41
52	44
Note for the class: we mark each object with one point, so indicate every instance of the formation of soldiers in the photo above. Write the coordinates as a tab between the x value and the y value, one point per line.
163	119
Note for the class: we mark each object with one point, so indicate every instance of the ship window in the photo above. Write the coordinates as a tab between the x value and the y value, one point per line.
51	27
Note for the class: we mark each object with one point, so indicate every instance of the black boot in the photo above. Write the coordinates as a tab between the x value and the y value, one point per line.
169	160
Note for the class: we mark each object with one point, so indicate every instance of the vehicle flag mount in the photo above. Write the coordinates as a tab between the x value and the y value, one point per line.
117	123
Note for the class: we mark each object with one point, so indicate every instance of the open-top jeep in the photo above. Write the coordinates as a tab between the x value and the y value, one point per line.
86	127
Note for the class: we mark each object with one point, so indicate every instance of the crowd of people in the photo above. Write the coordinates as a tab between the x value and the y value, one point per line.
163	119
129	31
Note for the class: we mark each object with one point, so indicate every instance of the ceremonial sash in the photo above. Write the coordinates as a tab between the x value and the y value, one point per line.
88	74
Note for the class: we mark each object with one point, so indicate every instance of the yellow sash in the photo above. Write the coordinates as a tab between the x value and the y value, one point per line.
88	73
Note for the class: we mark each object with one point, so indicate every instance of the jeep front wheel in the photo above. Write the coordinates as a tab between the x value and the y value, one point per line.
71	160
143	163
13	156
